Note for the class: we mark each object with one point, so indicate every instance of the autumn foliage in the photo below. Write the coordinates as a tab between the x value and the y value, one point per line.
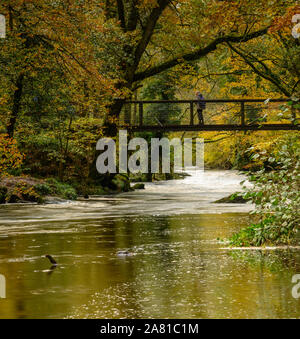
67	67
10	156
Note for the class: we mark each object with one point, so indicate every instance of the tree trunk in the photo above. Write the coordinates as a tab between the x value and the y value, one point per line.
111	123
16	106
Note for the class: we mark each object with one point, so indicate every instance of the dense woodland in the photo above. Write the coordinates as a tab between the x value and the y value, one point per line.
68	67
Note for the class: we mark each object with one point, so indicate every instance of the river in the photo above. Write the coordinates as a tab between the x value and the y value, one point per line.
179	268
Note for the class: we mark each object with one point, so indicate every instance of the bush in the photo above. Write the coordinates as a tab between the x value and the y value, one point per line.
10	157
121	183
69	193
62	190
276	194
22	191
43	189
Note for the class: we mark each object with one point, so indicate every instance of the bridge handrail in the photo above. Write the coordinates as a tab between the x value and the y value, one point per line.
192	103
206	100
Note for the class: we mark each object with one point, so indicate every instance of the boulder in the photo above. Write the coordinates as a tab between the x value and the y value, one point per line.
138	186
232	199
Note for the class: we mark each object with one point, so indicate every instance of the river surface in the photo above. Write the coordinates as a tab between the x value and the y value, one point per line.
179	268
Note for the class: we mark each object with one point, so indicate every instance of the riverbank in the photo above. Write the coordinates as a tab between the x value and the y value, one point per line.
27	189
24	189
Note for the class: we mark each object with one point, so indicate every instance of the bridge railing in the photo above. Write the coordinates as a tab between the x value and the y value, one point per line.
221	113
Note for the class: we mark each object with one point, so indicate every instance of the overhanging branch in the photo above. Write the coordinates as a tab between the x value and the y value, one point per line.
149	28
268	75
201	52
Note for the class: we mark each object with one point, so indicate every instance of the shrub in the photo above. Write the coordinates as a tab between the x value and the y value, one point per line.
43	189
62	190
276	195
22	191
70	194
10	157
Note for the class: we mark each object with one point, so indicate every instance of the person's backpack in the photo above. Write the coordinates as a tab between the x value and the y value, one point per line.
201	102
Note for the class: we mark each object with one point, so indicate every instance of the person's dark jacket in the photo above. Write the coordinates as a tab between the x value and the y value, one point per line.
201	105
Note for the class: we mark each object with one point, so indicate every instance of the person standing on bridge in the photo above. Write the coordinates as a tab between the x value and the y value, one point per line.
201	106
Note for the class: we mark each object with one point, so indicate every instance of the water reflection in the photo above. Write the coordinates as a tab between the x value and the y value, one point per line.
178	270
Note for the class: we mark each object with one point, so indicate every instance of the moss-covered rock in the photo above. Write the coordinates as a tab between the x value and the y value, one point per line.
233	199
142	177
99	190
122	183
138	186
90	189
139	177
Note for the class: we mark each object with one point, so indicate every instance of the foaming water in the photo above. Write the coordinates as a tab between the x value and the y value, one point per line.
194	195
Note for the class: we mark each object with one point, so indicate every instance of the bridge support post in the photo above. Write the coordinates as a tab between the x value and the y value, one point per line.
192	113
141	113
243	118
294	113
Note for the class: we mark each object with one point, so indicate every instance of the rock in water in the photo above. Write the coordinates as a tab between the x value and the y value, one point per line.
51	259
232	199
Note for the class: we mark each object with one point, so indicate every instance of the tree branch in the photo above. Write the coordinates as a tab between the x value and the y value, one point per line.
133	16
270	76
201	52
121	14
149	28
